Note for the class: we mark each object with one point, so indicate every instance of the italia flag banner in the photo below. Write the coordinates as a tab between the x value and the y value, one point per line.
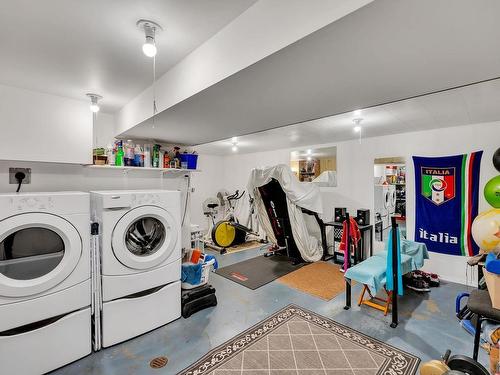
446	202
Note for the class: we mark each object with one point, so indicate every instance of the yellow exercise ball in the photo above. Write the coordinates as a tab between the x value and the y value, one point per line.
486	229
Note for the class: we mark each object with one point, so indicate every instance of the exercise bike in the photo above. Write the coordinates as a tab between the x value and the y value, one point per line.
228	231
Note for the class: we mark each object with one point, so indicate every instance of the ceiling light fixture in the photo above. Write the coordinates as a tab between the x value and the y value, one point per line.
357	127
357	112
309	158
150	29
309	152
94	98
234	142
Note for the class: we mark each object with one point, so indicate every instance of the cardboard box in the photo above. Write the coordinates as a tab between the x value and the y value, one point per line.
493	282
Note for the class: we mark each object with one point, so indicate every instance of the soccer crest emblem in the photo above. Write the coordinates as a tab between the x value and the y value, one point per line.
438	184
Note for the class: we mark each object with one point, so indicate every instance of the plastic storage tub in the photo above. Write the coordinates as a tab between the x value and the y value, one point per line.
190	159
205	273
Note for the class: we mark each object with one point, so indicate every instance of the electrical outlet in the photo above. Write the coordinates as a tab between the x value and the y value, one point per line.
12	174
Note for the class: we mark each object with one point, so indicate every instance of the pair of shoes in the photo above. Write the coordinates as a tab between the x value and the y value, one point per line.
476	259
417	283
431	278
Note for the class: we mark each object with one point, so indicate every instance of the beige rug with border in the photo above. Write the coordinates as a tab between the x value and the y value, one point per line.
320	279
298	341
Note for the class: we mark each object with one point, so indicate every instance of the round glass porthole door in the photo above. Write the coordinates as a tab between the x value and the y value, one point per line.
29	253
145	237
37	252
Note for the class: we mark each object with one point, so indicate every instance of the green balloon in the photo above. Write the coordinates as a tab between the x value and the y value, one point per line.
492	191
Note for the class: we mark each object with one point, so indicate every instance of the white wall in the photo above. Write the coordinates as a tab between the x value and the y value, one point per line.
355	173
43	127
104	129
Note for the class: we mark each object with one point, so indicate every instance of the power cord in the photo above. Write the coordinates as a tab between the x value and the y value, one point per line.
19	176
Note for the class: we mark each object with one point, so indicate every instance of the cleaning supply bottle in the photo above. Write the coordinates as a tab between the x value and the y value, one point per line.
156	156
119	155
129	153
111	154
138	156
166	160
147	156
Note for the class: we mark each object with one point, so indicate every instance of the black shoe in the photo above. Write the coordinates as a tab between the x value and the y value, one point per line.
417	284
431	278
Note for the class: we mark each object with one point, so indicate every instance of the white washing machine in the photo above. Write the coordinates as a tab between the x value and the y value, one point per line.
45	313
391	191
382	203
140	241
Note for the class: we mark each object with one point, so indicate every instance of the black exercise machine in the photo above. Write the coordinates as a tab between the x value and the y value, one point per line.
274	199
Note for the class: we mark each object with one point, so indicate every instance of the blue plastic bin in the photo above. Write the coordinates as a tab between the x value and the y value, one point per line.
190	159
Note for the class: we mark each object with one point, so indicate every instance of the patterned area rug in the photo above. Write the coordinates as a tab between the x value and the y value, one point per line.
295	341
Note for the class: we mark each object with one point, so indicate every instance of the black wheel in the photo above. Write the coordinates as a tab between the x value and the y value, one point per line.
240	237
466	364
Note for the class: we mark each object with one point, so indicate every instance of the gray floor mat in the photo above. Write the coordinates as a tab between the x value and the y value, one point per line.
256	272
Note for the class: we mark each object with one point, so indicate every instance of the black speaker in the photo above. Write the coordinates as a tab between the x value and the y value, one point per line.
340	214
363	216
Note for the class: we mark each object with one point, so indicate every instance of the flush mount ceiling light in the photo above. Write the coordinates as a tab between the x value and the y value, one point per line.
357	122
357	113
94	98
357	127
234	142
150	29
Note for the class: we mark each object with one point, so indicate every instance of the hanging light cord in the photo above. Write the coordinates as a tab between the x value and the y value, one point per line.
154	90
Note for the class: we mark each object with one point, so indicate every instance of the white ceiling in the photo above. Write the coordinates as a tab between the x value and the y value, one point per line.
386	51
467	105
71	47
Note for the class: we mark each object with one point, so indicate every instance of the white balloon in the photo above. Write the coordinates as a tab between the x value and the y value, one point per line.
486	230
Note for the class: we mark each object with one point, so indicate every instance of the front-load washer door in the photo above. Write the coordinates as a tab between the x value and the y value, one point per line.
144	237
37	252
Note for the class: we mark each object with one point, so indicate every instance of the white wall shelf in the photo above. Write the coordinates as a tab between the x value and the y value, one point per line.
136	169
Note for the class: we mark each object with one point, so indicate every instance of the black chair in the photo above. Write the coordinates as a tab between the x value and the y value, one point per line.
480	304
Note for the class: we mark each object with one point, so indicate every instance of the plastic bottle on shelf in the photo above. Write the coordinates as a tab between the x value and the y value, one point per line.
111	154
129	153
156	156
147	156
166	160
119	154
138	156
161	155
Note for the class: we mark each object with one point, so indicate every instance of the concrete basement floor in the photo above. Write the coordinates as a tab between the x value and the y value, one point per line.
427	326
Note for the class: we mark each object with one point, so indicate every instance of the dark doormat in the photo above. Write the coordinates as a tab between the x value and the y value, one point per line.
297	341
255	272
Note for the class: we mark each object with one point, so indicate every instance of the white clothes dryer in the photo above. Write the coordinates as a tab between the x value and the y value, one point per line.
140	241
382	203
44	280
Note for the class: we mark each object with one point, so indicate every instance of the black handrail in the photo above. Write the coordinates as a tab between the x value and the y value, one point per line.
347	259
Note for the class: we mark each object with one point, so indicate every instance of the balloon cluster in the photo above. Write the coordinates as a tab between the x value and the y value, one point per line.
486	226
